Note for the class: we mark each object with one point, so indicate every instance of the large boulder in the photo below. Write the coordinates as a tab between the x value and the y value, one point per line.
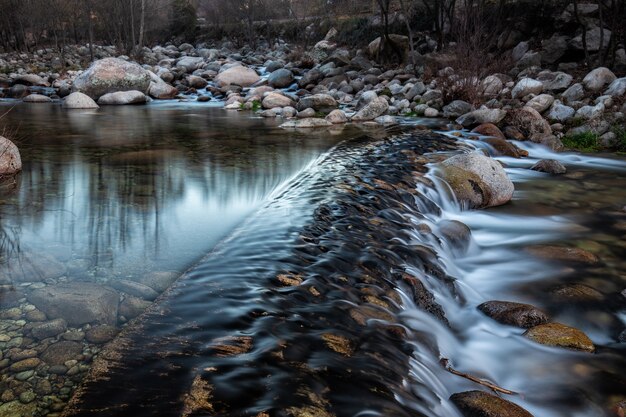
31	79
541	102
79	100
527	86
554	81
560	112
514	314
598	78
237	75
530	123
159	89
190	63
401	42
617	88
10	159
456	108
318	102
78	303
481	116
280	78
30	267
111	75
273	100
477	180
123	97
37	98
372	110
593	40
574	93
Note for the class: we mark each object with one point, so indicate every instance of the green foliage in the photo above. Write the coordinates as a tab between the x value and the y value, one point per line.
620	131
256	105
585	142
576	121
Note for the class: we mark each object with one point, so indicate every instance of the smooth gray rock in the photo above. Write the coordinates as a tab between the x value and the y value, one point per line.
49	328
78	100
37	98
481	116
318	102
10	159
560	112
549	166
123	98
598	78
111	75
456	109
574	93
280	78
541	102
372	110
525	87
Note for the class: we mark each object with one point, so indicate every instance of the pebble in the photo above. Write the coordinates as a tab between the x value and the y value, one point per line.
25	365
27	397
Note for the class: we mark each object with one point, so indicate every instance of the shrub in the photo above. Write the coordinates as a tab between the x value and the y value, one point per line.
586	142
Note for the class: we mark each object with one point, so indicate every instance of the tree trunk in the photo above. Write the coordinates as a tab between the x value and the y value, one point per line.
142	24
584	28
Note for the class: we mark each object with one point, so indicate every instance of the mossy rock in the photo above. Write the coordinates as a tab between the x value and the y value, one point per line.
482	404
514	314
560	335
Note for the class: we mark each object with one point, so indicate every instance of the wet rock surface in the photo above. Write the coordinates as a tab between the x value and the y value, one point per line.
560	335
514	314
482	404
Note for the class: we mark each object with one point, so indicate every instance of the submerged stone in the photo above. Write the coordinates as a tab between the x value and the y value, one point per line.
562	253
560	335
483	404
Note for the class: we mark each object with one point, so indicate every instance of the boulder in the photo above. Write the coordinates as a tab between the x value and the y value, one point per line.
481	116
372	110
525	87
574	93
401	42
489	129
49	329
456	233
560	335
560	112
308	123
101	334
318	102
530	123
483	404
189	64
553	49
31	79
597	79
196	82
514	314
491	86
337	117
280	78
555	81
111	75
237	75
10	159
273	100
503	147
617	88
78	303
312	76
30	267
122	98
37	98
135	288
549	166
541	103
577	293
593	40
564	254
161	90
79	100
159	280
456	109
477	180
590	112
416	90
61	352
519	51
131	307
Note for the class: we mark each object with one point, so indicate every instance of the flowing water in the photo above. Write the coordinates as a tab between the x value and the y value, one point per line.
328	284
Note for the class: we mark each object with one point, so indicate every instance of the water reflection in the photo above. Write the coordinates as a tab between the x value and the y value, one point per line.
129	189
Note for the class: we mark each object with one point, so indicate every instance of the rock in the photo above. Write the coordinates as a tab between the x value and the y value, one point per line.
273	100
417	90
61	352
456	109
25	365
122	98
554	48
560	335
514	314
573	93
590	112
318	102
161	90
503	147
598	78
563	253
529	60
308	123
101	334
10	163
476	180
560	112
577	292
111	75
131	307
322	50
159	280
135	288
37	98
530	123
16	408
525	87
457	234
555	81
337	117
400	41
49	329
492	86
596	127
482	404
238	75
541	102
30	267
489	129
617	88
550	166
280	78
190	63
593	40
196	82
18	91
31	79
79	100
481	116
312	76
35	315
78	303
430	112
372	110
519	51
306	113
